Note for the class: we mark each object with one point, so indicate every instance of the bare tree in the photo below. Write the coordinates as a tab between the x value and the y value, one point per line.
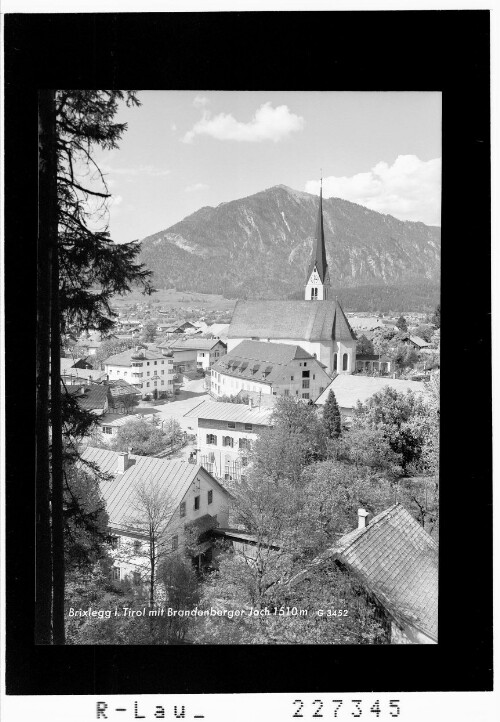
152	511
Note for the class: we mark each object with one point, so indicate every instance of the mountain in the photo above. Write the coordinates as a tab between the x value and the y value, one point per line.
260	246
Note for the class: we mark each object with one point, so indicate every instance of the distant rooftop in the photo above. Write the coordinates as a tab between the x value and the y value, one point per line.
223	411
351	388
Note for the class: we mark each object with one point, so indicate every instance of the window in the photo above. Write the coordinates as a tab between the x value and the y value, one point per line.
321	389
245	444
107	430
305	363
136	578
334	361
196	502
305	374
314	376
231	425
147	363
163	363
156	363
345	360
115	574
211	439
163	373
314	294
182	508
148	373
137	546
228	441
210	496
286	392
244	461
248	427
147	383
305	396
175	542
305	384
291	378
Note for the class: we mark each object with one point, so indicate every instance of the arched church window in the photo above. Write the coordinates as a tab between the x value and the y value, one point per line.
345	359
314	294
334	361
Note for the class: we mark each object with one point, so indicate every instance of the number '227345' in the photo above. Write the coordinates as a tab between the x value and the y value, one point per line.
342	708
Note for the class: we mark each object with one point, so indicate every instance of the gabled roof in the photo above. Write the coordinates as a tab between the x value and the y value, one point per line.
419	341
301	320
262	362
120	387
318	258
221	411
191	344
94	396
173	478
351	388
397	560
125	357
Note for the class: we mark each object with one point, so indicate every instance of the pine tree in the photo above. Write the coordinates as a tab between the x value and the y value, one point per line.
401	324
331	417
80	270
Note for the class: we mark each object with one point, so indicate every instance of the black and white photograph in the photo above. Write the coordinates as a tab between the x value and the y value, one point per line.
229	240
243	391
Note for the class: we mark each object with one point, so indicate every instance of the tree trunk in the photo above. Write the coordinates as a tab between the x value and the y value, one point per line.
43	584
57	452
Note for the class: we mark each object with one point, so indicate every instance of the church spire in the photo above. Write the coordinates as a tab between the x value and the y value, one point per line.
318	278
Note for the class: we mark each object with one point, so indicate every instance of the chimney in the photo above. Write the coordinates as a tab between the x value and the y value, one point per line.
250	403
362	514
123	462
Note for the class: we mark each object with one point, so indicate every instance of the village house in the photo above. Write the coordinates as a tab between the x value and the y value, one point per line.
374	363
92	342
396	561
79	371
225	436
190	354
195	501
149	371
218	330
269	368
95	398
318	325
349	390
124	395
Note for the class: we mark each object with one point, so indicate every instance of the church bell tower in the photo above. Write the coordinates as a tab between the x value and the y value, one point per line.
318	277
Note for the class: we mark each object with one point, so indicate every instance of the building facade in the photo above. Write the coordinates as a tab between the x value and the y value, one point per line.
269	369
195	501
149	372
226	433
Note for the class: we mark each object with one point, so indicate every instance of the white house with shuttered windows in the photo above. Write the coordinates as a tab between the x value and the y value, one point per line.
225	436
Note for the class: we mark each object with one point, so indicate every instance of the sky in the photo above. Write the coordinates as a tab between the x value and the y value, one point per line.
183	150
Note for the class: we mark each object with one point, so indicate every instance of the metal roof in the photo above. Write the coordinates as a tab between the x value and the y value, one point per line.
222	411
173	477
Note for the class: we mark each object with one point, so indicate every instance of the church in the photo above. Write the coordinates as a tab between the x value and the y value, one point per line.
317	324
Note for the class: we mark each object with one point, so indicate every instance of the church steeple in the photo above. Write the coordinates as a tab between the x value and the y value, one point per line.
318	277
